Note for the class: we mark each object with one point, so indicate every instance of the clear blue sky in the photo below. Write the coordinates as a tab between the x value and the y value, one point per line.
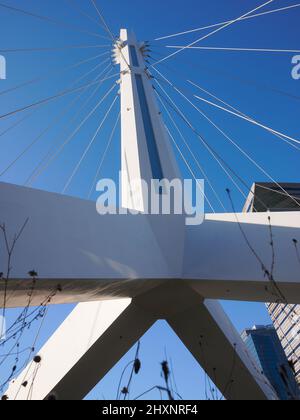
247	80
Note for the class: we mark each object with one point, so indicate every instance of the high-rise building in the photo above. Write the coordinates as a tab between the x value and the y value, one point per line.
263	343
286	318
267	196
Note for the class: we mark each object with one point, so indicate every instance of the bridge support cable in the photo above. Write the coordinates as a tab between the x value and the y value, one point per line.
89	145
53	123
229	21
104	155
212	33
52	153
231	140
192	153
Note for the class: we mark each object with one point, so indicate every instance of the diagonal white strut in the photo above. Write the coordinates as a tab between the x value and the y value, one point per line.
163	269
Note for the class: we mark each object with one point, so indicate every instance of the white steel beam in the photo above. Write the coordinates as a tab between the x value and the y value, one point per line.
95	257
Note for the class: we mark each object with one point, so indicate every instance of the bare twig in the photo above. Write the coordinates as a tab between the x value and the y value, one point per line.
10	247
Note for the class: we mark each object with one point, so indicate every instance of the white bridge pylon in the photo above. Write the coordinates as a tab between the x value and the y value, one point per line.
126	271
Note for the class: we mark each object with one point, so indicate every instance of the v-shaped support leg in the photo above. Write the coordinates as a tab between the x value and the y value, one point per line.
205	329
209	335
85	347
96	335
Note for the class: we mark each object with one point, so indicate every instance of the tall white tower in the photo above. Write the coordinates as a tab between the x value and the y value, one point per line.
145	146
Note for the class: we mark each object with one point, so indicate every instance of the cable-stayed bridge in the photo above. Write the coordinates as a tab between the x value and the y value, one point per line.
125	272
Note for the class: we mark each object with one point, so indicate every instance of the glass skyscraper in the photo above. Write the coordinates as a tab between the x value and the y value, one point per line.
264	345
